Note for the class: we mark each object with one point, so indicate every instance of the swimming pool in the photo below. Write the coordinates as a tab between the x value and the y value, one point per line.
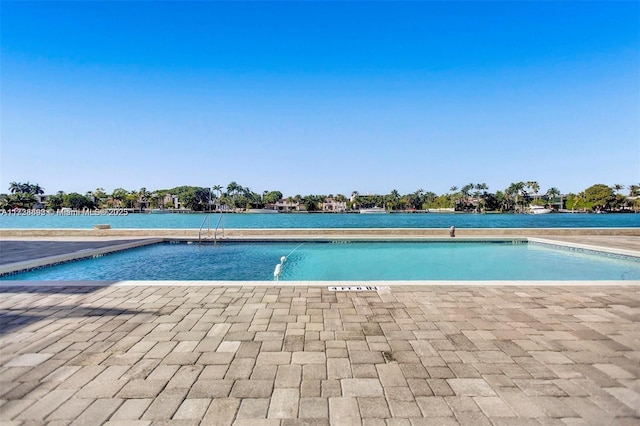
345	261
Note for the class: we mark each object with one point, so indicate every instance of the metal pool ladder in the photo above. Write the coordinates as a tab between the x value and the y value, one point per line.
219	226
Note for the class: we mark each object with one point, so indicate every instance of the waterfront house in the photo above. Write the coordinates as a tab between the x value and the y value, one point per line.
171	200
288	205
41	201
333	206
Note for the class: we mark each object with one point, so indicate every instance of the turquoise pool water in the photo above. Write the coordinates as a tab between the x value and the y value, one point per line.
368	261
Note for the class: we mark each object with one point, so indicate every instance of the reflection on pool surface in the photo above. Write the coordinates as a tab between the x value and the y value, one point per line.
336	261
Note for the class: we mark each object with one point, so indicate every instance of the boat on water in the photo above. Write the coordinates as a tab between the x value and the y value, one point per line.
539	210
267	211
374	210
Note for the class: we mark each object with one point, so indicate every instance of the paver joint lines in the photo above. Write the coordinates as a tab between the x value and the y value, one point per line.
271	355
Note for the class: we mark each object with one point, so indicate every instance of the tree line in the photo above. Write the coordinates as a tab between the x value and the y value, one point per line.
518	196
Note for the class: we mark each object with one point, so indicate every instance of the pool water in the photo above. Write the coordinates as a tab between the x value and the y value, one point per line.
337	261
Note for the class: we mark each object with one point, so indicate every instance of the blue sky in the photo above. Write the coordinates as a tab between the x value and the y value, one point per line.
319	97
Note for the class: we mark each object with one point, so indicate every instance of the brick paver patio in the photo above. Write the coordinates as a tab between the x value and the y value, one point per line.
250	355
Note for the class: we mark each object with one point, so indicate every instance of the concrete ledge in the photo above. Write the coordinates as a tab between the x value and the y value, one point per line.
275	233
589	247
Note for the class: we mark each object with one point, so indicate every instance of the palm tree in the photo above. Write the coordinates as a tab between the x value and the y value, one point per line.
132	198
466	193
155	197
120	195
252	198
416	202
395	196
475	199
525	197
617	187
354	199
36	189
233	189
466	190
22	200
100	196
25	188
219	189
207	194
55	201
634	191
482	187
15	187
514	190
143	194
552	193
453	197
534	187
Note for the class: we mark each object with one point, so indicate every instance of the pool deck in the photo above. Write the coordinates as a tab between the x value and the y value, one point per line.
189	353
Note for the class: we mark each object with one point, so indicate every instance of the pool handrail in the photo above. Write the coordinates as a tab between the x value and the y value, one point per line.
207	220
215	231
